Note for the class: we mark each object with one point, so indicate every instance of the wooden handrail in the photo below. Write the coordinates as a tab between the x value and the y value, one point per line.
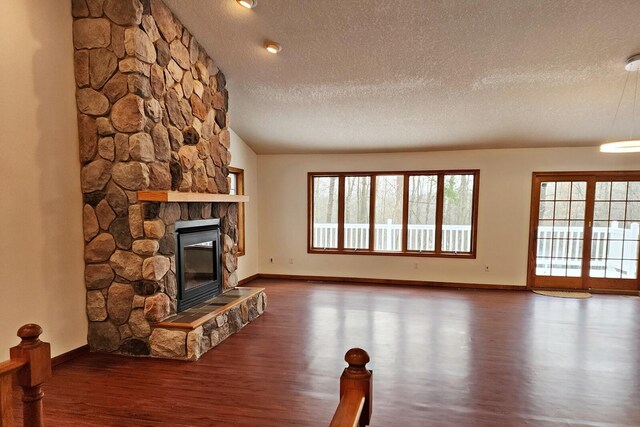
349	410
356	391
10	366
31	363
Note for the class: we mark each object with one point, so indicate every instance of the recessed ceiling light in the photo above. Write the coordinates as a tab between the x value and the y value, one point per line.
249	4
272	47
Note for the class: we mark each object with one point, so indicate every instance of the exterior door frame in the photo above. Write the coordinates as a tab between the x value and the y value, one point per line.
584	282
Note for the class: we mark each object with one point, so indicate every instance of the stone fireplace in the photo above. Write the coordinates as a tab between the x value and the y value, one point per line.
152	116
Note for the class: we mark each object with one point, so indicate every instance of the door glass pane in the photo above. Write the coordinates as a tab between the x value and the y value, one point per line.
388	215
574	249
546	209
561	228
545	228
562	210
614	246
630	250
574	267
325	212
603	190
634	191
357	192
578	191
617	211
576	225
601	211
563	190
577	210
629	269
422	212
560	248
559	267
631	230
457	213
614	269
618	191
547	191
598	247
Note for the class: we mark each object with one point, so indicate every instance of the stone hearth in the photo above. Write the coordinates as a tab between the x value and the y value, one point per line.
195	331
152	115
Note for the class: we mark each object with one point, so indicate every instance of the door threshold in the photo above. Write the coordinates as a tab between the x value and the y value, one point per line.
625	292
634	293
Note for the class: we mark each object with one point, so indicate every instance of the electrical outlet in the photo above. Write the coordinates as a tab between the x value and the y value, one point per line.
486	268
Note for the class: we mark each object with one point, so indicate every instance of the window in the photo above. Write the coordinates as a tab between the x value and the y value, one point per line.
357	201
236	186
325	212
421	213
388	213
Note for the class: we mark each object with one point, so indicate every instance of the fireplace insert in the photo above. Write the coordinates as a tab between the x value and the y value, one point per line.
198	261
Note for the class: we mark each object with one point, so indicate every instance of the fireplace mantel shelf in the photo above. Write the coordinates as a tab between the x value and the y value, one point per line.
180	196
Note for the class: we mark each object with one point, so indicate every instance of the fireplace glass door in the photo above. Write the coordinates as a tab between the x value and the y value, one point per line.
198	262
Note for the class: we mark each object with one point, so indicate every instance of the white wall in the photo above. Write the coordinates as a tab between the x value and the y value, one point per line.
503	222
41	244
243	157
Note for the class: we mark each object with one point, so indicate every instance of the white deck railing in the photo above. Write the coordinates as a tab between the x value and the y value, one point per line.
388	237
609	245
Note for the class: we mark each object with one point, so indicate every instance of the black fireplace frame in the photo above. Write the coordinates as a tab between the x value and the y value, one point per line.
185	232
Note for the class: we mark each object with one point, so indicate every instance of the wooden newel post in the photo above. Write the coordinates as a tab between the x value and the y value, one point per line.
357	377
37	355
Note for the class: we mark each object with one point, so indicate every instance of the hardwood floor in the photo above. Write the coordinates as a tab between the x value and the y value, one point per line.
440	358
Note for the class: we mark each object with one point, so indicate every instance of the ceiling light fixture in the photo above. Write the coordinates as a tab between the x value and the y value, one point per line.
249	4
272	47
629	145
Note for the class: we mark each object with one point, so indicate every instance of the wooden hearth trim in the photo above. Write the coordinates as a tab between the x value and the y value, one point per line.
179	196
206	317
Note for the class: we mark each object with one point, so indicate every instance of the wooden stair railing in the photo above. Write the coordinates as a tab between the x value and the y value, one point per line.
31	362
356	391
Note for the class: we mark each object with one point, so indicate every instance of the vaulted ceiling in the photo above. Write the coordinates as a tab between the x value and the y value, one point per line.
414	75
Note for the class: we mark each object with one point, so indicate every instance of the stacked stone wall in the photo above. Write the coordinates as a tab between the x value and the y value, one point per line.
152	115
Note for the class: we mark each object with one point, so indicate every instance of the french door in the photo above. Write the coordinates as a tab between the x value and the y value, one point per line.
585	231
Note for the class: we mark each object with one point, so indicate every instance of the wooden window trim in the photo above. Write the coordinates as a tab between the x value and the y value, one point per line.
240	191
437	253
340	213
439	213
372	211
405	214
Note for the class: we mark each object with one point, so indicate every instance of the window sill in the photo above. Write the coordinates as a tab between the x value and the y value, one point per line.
382	253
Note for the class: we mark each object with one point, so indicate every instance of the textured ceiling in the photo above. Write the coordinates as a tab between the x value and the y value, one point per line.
413	75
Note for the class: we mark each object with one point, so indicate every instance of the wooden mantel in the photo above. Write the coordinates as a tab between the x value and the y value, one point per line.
179	196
